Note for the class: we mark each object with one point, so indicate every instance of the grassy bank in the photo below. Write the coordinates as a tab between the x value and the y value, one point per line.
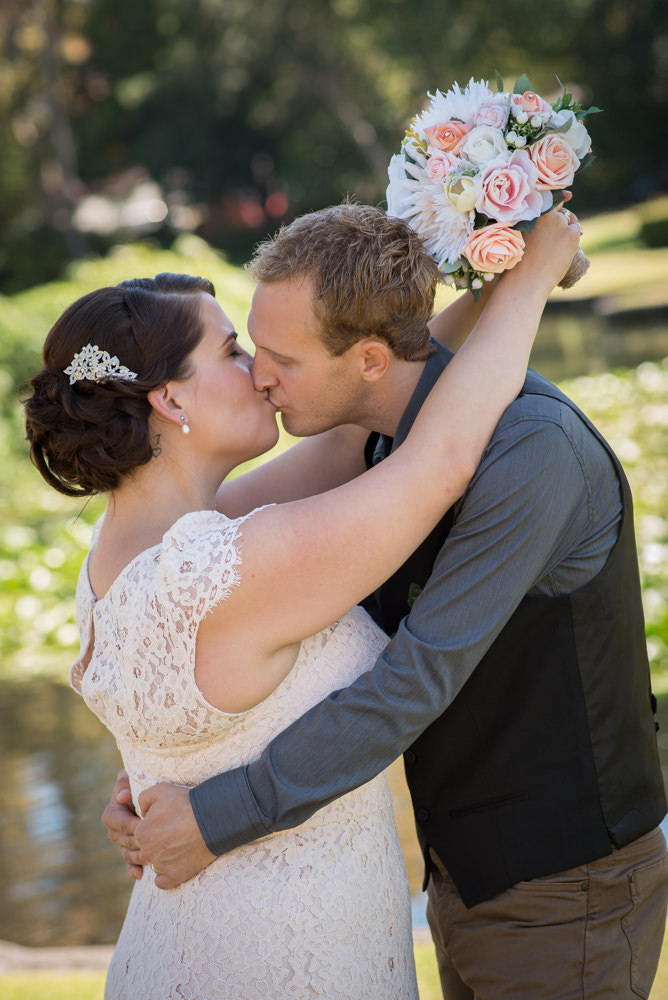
90	986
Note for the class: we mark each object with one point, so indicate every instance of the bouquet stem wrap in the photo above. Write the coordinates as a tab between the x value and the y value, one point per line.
579	267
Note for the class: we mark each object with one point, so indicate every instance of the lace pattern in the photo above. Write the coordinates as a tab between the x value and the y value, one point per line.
319	911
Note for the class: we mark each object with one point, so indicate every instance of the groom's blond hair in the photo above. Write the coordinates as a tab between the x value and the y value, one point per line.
371	274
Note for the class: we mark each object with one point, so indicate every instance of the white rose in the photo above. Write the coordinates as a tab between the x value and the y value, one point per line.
483	143
576	135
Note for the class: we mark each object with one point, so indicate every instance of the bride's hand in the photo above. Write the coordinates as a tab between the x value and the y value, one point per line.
549	250
168	836
121	820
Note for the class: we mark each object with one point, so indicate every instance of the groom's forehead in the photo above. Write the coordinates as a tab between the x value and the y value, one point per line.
282	321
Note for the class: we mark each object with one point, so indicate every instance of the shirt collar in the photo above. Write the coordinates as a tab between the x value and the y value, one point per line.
434	365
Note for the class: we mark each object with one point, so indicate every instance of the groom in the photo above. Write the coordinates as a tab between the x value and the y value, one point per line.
516	682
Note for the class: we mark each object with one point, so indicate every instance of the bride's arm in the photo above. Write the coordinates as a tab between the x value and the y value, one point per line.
452	325
311	466
306	563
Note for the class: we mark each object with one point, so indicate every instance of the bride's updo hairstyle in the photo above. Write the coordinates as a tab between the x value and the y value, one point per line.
86	435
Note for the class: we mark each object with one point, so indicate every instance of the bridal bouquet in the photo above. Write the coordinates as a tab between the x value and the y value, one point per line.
478	168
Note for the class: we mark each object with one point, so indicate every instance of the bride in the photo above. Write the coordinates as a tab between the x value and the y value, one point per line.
203	636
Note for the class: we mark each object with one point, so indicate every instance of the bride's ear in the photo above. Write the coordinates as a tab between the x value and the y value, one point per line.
164	404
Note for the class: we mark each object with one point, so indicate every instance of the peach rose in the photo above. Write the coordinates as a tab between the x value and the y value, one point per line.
448	136
508	192
530	103
555	162
494	248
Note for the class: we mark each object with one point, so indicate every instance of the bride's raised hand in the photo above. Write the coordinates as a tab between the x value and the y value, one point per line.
548	251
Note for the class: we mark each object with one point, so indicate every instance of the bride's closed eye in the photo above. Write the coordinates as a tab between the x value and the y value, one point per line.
234	350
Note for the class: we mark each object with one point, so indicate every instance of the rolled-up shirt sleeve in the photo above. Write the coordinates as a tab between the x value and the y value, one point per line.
528	508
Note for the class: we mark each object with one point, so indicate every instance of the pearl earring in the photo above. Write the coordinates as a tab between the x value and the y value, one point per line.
184	424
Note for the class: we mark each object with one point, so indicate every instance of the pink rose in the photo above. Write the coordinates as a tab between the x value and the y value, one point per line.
531	103
448	136
508	192
493	113
494	248
555	161
439	164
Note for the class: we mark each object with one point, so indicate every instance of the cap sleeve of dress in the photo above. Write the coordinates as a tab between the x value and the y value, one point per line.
200	563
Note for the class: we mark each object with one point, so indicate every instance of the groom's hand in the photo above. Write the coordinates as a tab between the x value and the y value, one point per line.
121	821
169	837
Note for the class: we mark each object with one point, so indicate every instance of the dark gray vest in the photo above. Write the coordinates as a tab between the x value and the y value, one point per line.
548	754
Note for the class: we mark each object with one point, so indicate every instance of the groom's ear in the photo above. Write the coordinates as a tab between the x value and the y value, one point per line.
374	359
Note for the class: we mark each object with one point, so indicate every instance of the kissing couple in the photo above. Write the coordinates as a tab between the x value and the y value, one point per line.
487	528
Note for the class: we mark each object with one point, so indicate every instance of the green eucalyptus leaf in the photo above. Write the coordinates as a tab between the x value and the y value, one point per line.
587	161
562	128
522	84
499	82
450	268
526	225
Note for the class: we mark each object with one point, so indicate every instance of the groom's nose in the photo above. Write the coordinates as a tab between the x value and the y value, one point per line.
262	374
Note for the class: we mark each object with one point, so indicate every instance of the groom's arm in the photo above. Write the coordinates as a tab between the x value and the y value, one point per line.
526	509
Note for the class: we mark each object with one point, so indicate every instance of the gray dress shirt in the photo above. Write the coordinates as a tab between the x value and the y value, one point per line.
540	516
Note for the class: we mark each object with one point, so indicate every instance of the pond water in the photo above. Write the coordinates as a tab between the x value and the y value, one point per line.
61	881
574	340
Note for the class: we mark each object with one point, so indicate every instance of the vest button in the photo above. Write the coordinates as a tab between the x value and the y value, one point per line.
410	757
422	814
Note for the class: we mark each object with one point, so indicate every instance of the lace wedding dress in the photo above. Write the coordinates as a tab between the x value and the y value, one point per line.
322	910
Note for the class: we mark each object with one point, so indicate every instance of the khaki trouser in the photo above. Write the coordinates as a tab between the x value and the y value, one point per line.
589	933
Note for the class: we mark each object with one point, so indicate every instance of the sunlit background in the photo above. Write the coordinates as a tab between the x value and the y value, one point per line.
138	137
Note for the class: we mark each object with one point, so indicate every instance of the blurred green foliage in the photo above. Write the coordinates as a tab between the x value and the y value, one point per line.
248	112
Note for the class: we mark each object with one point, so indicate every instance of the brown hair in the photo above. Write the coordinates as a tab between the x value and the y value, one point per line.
371	273
85	437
